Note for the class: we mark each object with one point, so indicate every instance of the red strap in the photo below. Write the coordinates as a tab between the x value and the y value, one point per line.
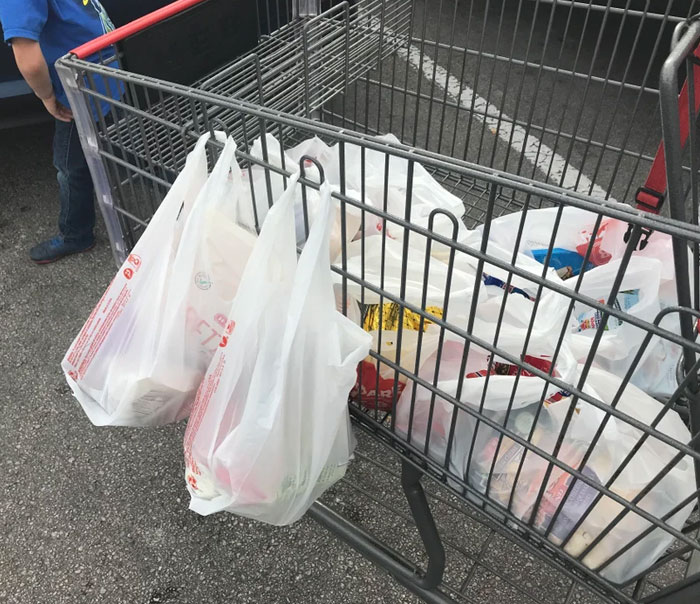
650	197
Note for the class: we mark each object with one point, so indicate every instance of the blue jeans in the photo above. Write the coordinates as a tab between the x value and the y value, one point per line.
76	219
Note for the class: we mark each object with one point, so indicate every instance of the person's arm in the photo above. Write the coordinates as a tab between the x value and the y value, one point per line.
32	65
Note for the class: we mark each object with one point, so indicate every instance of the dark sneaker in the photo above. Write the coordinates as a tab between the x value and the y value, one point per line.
56	248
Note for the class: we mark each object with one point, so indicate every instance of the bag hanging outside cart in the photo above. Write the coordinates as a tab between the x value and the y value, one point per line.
141	355
269	431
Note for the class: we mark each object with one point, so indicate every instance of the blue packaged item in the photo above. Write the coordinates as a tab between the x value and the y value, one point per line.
562	258
495	281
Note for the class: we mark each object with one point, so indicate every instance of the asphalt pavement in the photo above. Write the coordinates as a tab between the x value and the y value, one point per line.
93	514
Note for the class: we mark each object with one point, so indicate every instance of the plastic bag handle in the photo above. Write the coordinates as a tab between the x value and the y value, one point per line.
313	267
171	213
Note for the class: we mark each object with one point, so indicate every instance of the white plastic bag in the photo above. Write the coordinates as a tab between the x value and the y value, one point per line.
376	381
418	407
502	459
572	238
486	388
648	286
316	149
618	440
390	186
289	160
382	265
490	462
618	347
143	276
269	431
207	271
140	356
381	189
505	386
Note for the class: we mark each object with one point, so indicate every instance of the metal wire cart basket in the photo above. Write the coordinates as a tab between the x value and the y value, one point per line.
552	410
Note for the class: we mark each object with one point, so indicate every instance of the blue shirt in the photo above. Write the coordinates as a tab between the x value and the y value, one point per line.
58	25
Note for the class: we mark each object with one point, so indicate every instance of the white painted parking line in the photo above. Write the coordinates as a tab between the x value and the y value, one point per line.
535	151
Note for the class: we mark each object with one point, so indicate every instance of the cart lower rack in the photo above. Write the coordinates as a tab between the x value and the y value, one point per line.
544	390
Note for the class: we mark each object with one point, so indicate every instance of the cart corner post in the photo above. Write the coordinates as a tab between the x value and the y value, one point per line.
675	122
87	130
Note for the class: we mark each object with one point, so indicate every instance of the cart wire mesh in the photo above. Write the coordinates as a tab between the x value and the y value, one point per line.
483	562
509	106
560	92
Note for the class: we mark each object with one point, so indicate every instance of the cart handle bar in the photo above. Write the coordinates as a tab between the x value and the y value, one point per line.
100	43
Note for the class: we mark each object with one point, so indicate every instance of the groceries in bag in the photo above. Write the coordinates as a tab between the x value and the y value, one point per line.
214	252
498	466
638	296
648	287
269	431
140	357
380	262
105	337
378	384
490	384
647	463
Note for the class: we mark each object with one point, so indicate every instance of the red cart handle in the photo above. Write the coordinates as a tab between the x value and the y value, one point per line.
93	46
651	196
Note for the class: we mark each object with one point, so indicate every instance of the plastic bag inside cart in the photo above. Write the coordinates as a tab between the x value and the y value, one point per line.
524	105
573	513
266	186
586	253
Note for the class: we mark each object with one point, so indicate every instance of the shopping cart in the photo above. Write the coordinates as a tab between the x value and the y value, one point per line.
511	106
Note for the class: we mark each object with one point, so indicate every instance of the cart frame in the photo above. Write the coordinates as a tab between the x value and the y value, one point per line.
161	119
